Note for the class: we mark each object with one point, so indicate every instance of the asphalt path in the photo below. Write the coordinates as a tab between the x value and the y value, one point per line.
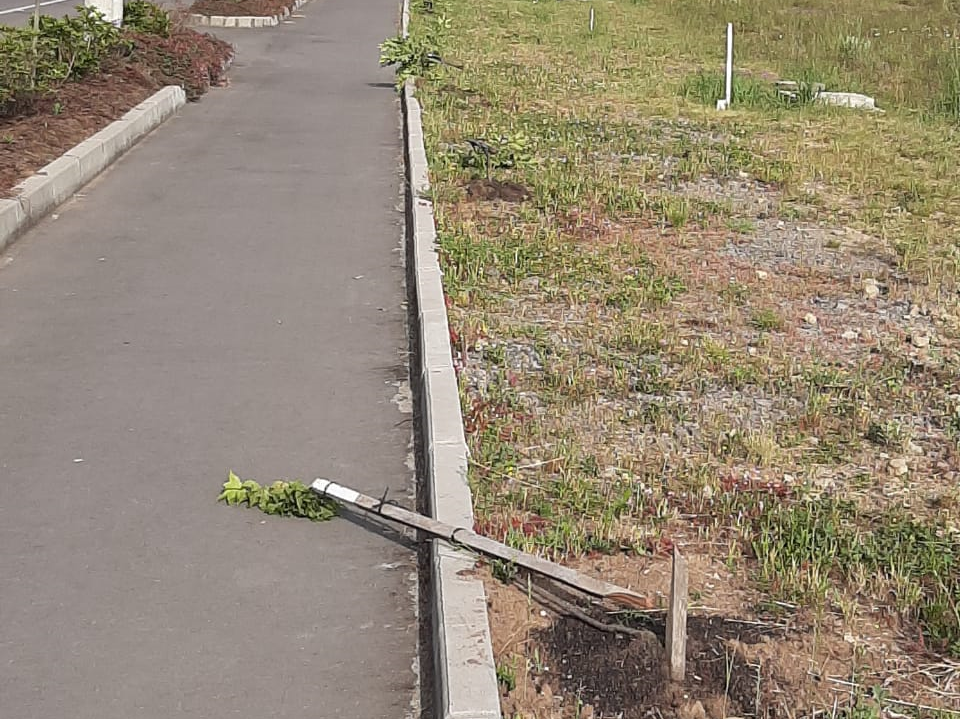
229	296
16	13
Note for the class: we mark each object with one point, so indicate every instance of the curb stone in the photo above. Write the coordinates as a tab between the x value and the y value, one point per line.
245	21
56	182
464	666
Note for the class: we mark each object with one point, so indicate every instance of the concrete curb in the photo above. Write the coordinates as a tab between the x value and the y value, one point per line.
248	21
466	678
56	182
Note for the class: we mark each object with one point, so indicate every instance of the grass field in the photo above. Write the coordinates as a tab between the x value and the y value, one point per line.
731	332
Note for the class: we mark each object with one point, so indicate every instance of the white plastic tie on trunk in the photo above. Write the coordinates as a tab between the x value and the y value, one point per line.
337	491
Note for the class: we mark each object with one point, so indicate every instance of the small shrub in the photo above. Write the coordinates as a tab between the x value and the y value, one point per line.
506	152
31	63
73	46
145	17
415	55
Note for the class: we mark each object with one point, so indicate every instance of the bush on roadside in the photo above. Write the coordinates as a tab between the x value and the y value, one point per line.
170	53
34	63
63	49
145	17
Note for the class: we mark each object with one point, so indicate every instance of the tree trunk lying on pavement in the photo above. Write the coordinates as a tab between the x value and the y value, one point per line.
464	537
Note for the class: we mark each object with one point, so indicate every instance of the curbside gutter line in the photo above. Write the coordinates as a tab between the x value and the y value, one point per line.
247	21
466	679
56	182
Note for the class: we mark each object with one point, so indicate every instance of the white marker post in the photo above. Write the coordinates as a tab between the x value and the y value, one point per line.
724	104
112	10
591	19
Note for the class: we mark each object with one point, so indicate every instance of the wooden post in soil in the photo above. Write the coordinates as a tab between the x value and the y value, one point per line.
677	619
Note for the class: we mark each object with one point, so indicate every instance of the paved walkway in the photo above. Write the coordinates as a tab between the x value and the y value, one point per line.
228	296
17	13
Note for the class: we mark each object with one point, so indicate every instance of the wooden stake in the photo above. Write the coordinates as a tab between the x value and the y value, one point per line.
677	619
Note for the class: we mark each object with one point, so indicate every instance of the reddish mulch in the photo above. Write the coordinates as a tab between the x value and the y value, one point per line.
36	136
234	8
188	58
36	133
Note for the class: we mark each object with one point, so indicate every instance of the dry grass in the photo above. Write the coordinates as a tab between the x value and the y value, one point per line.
735	332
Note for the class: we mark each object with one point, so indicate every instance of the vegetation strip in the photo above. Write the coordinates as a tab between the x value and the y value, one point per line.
734	333
78	74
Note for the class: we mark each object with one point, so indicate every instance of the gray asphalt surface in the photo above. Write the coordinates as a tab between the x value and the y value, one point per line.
16	13
228	296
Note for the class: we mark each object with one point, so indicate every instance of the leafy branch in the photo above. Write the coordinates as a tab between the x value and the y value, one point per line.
411	55
286	499
415	55
506	152
36	59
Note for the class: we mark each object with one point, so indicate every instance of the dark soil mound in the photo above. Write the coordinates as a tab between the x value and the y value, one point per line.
496	190
622	675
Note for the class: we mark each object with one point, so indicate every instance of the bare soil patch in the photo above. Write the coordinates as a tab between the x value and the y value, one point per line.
497	190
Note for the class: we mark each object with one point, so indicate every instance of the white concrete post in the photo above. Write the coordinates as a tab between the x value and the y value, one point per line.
112	10
728	93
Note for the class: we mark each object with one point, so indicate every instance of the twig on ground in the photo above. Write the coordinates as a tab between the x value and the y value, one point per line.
562	606
503	475
855	686
942	675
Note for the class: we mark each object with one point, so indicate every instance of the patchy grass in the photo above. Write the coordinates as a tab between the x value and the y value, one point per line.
732	332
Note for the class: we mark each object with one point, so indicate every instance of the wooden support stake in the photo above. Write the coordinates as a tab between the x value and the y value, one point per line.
677	619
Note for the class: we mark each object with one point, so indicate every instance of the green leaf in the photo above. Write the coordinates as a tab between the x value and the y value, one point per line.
233	491
280	498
